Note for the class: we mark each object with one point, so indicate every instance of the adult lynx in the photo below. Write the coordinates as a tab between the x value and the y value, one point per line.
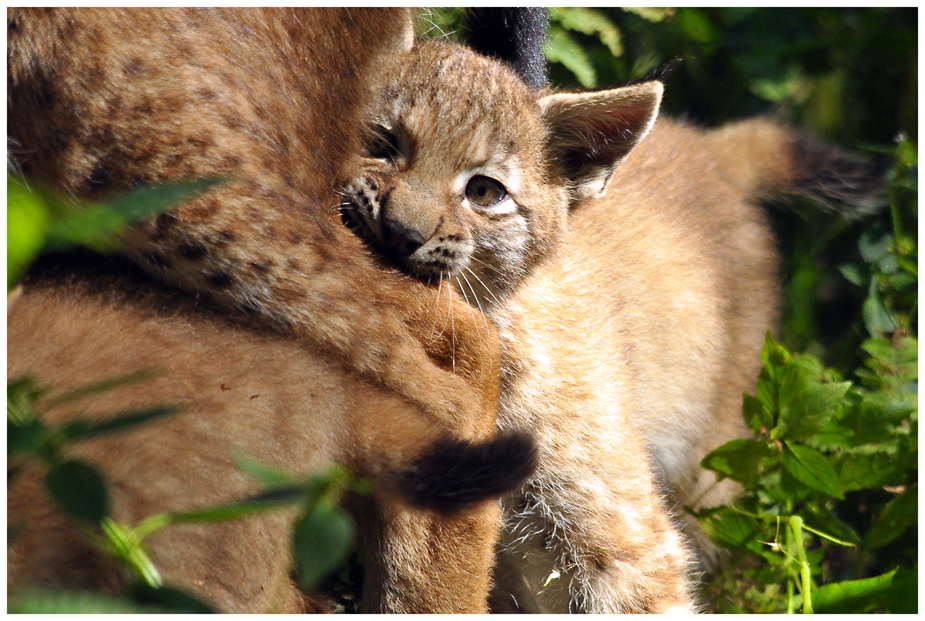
102	99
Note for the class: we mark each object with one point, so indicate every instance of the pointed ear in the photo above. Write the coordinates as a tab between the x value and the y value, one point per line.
589	134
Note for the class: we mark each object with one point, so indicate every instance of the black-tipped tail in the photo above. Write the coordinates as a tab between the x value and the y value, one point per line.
457	473
837	180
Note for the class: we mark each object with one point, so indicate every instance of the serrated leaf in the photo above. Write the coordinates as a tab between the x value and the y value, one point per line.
809	467
806	404
899	514
738	460
853	596
757	416
868	471
321	543
79	489
733	529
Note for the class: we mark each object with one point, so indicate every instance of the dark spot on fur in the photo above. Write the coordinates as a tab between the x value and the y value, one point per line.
230	162
227	237
134	67
192	251
293	265
294	237
261	267
233	121
156	259
204	92
220	280
99	178
163	222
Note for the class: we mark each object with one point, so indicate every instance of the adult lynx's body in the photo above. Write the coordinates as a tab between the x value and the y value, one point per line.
338	360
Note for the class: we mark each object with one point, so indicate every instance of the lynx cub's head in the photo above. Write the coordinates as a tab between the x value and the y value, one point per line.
468	175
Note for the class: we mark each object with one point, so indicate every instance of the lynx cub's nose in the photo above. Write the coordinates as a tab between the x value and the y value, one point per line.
401	239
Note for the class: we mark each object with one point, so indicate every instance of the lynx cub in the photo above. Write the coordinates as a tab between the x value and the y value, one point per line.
628	335
468	176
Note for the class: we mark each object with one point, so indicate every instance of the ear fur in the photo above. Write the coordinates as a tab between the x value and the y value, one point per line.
589	134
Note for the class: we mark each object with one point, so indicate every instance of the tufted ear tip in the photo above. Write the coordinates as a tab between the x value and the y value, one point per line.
590	134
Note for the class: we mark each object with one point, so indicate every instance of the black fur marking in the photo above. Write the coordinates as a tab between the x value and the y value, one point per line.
220	280
457	473
839	181
99	178
512	35
193	251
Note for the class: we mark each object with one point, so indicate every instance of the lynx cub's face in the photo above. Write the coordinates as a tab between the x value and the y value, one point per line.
468	175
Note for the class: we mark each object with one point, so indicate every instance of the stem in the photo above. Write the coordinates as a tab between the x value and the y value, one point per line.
796	525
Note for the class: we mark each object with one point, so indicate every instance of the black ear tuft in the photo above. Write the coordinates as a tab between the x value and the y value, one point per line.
457	473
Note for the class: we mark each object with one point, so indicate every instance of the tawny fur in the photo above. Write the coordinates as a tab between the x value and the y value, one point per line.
631	319
102	100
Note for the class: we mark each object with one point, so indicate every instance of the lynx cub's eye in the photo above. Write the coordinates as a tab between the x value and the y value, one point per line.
485	191
382	144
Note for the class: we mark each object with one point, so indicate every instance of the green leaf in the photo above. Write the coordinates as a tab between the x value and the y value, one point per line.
590	22
103	386
899	514
902	596
854	274
810	468
560	47
874	245
806	404
122	421
65	602
168	599
265	501
866	471
738	460
854	596
97	226
260	471
27	221
757	416
79	489
877	319
321	543
822	518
